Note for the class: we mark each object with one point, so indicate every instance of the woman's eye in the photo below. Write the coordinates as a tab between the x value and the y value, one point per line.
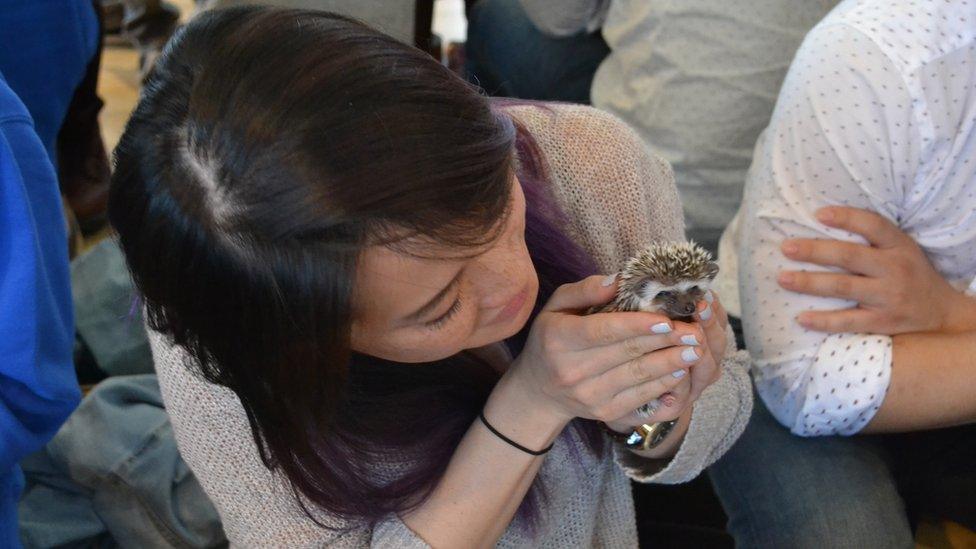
448	315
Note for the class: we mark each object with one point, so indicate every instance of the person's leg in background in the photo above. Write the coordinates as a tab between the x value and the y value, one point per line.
781	490
698	80
508	56
83	167
148	24
936	473
132	486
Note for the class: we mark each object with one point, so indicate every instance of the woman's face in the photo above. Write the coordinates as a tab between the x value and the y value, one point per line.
410	309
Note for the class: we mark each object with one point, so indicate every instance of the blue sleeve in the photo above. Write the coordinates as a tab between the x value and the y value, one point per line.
45	47
38	387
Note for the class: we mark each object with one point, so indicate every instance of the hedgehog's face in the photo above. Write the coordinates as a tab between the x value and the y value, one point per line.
677	301
669	278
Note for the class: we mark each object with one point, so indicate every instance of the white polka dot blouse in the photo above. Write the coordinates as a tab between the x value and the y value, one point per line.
878	111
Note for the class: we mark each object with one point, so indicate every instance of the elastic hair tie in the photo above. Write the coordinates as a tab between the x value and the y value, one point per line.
512	442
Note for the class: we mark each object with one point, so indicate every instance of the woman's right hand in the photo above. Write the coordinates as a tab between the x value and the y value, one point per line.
606	365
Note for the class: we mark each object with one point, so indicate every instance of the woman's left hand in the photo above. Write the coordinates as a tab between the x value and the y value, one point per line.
895	286
712	320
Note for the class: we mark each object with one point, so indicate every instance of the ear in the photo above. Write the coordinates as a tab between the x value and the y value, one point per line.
711	270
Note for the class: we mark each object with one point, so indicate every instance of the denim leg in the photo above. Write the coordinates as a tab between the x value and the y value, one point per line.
106	315
508	56
114	469
781	490
936	472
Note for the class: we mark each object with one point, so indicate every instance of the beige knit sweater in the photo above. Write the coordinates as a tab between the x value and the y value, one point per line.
619	198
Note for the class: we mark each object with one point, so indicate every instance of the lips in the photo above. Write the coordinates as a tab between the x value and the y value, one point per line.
513	307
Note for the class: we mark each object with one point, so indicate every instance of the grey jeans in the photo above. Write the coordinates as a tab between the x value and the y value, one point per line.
113	476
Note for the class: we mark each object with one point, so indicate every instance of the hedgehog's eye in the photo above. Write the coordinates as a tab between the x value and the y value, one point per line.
694	289
665	294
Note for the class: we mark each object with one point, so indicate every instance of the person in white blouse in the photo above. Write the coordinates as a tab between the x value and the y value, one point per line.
854	254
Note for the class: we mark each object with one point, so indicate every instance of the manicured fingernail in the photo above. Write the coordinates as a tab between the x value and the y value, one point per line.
706	313
825	215
786	278
661	328
790	248
689	339
688	354
709	297
679	373
609	280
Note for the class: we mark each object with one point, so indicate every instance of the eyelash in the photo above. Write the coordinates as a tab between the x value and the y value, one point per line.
441	320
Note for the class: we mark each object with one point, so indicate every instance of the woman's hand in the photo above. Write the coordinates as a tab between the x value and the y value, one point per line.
714	322
895	286
605	366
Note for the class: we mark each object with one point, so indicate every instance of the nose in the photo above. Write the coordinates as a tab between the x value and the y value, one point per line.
688	308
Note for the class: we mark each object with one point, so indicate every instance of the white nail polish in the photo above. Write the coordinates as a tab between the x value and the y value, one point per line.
661	328
679	373
609	280
689	339
706	313
709	298
688	354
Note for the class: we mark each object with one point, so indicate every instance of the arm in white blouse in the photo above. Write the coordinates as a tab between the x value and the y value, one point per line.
846	131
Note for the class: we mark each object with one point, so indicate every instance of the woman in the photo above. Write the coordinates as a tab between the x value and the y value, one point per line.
334	230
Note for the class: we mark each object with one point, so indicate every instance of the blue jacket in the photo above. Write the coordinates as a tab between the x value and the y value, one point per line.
45	48
38	387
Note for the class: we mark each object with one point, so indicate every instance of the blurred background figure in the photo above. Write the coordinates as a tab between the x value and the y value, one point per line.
535	50
696	78
50	52
38	388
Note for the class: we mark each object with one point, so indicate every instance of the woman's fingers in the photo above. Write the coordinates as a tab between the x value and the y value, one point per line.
604	329
635	347
874	227
665	408
852	257
632	398
714	323
720	312
644	379
705	373
840	285
840	321
579	296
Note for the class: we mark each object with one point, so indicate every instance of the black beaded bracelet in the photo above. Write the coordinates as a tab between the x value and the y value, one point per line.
512	442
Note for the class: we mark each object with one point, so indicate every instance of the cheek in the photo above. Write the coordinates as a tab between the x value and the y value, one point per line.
416	344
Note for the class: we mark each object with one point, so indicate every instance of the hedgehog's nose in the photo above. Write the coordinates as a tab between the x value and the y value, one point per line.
689	308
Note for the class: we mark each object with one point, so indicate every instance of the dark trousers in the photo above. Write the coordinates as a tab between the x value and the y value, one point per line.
507	56
782	490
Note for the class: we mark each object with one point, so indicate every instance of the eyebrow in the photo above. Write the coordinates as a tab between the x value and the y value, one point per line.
426	308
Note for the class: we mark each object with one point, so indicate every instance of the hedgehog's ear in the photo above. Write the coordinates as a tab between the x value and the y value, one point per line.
711	270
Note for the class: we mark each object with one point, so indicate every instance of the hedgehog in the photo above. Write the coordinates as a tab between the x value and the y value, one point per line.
664	278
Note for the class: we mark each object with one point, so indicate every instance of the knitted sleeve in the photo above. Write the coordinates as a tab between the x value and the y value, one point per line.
620	198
